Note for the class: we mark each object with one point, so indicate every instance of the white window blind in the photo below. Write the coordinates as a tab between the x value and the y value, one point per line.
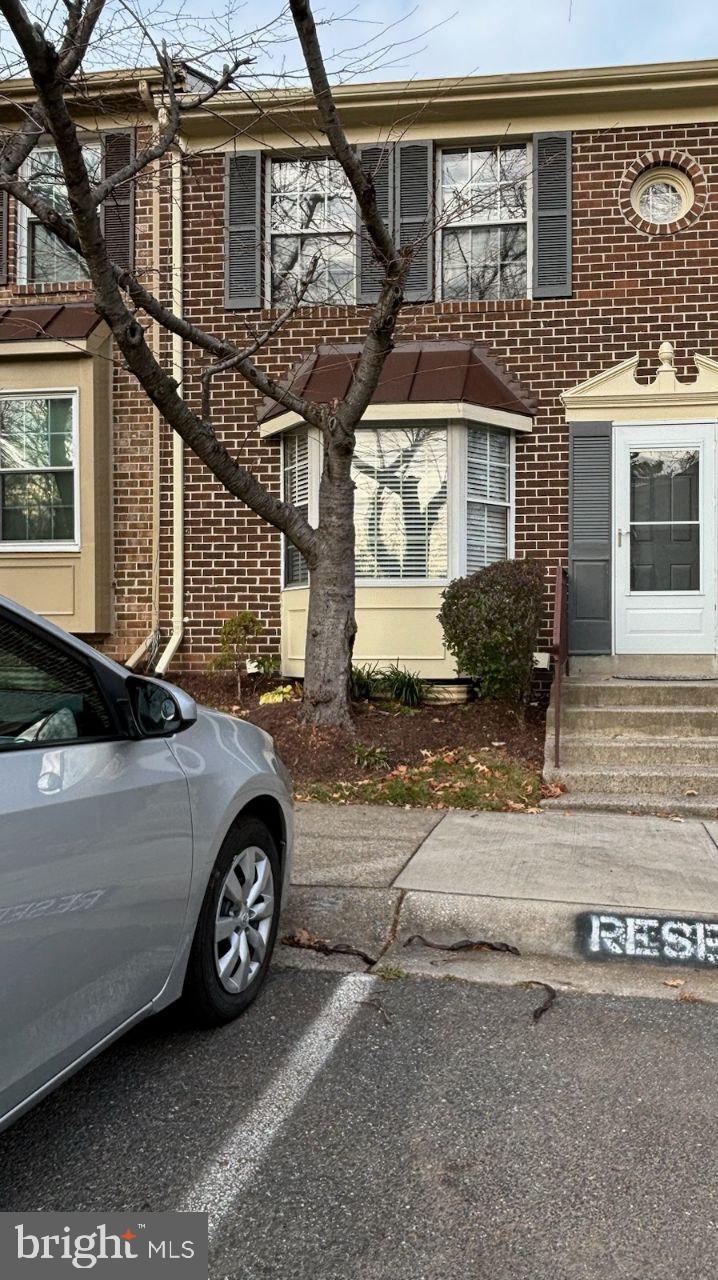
488	497
295	483
400	512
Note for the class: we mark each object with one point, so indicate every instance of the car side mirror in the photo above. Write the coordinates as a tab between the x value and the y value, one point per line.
159	709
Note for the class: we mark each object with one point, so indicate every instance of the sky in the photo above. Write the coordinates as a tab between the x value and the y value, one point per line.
401	39
483	37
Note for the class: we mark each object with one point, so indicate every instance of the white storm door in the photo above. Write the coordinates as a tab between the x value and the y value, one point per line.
664	538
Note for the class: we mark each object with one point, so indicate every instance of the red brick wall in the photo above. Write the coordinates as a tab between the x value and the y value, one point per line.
630	292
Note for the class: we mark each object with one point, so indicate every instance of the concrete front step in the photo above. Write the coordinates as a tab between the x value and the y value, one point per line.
604	802
605	692
583	749
653	665
654	722
678	781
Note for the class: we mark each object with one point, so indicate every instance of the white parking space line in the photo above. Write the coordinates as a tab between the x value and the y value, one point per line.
234	1164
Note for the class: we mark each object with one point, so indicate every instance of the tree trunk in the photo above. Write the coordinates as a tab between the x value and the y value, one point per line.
331	625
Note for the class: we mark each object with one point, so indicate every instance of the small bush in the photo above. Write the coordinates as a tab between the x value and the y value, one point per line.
368	757
491	621
236	638
364	682
403	686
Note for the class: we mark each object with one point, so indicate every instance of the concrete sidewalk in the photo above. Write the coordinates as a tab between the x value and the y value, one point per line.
373	876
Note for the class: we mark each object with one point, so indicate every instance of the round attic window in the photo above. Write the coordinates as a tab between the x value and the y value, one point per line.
662	196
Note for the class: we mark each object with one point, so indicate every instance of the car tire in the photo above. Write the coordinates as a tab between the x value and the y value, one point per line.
236	930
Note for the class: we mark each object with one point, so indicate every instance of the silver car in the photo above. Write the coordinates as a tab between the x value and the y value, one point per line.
145	846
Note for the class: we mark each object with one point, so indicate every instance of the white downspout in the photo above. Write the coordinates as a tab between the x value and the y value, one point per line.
151	642
177	445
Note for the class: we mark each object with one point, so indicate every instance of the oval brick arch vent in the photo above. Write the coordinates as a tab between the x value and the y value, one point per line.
663	161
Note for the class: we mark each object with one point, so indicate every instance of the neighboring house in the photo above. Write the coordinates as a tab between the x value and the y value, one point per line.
553	392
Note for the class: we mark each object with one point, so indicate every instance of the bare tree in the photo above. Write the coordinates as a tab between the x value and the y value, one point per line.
54	62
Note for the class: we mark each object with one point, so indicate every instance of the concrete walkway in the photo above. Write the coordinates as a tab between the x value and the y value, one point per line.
593	897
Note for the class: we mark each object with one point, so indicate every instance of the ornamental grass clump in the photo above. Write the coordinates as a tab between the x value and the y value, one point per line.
491	623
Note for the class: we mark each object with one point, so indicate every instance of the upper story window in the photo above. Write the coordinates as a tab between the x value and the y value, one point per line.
484	223
42	258
312	229
37	470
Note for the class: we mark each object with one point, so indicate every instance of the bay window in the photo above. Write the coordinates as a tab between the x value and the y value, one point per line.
488	495
295	489
37	469
312	231
400	509
431	502
484	223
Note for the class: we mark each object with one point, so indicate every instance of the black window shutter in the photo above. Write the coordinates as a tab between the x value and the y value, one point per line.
118	210
378	161
3	236
590	537
414	214
552	215
242	229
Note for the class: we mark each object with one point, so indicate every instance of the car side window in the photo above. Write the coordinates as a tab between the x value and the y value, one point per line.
47	695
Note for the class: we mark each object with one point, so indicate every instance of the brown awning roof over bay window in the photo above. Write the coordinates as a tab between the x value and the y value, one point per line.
420	380
70	322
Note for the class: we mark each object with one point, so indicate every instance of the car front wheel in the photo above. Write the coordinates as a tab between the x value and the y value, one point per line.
237	926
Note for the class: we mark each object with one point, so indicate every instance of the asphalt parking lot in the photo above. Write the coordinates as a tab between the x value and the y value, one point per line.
349	1127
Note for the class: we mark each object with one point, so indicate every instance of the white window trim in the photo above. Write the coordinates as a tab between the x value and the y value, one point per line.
314	446
42	548
482	144
21	223
268	233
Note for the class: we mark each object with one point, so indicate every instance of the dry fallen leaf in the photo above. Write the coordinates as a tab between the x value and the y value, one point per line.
674	982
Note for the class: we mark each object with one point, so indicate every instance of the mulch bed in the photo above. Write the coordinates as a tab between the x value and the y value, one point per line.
325	755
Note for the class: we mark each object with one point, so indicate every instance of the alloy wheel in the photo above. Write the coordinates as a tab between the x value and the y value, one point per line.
244	919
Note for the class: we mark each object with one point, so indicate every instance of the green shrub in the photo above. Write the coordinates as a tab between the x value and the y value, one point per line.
403	686
364	682
491	621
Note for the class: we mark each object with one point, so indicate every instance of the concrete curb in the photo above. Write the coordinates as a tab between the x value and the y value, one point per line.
379	921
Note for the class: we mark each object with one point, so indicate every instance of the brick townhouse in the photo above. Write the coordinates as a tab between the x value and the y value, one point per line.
553	392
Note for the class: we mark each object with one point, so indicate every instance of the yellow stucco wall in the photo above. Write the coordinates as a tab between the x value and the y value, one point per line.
395	623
